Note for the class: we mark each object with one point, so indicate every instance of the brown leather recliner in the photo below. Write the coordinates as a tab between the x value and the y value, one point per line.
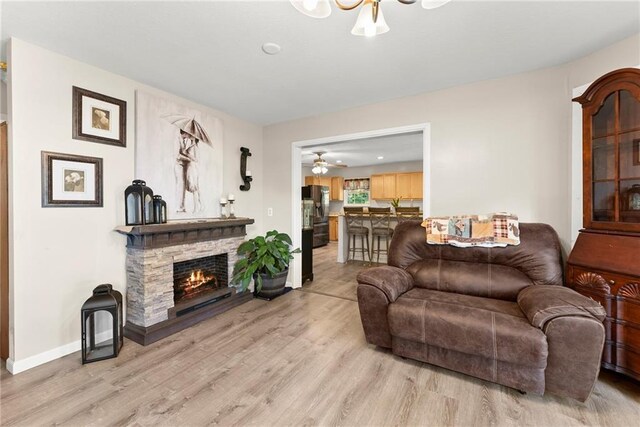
499	314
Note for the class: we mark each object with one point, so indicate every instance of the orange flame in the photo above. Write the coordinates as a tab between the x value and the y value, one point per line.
197	279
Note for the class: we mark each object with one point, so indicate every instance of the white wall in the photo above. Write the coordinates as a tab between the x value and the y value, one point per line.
58	255
496	145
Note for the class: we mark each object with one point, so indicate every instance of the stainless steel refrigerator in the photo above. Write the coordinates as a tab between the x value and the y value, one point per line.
320	196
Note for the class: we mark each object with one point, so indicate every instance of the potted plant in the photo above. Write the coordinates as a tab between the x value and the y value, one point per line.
265	259
395	203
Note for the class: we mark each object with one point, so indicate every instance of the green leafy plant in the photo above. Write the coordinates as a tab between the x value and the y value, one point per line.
269	254
396	202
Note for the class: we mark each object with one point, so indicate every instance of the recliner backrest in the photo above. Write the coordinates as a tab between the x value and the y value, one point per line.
491	272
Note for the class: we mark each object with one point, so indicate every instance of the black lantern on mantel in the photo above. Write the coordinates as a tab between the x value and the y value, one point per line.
104	308
138	203
159	209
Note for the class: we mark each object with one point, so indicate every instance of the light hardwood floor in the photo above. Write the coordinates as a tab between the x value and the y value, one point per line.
298	360
332	278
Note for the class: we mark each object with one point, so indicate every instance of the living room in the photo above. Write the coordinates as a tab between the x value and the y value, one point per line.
494	81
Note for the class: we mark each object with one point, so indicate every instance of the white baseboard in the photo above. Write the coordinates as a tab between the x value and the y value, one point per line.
17	366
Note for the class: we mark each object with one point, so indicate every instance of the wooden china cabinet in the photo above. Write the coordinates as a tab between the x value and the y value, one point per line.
605	261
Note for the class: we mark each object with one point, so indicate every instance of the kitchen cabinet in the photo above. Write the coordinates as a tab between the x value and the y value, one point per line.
335	184
336	192
383	186
407	185
318	180
403	185
333	228
377	186
416	185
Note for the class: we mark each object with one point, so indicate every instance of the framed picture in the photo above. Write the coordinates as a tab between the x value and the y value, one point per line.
71	181
99	118
636	152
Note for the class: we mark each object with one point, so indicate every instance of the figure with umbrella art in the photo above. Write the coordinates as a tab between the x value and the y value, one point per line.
191	133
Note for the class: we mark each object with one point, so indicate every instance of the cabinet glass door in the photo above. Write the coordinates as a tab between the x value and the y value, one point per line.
629	145
615	159
603	160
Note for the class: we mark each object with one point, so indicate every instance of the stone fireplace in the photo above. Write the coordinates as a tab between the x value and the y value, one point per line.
178	274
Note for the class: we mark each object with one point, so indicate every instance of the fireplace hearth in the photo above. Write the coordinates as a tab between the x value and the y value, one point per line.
178	274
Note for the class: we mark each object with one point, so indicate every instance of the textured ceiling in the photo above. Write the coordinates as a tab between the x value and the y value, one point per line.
210	51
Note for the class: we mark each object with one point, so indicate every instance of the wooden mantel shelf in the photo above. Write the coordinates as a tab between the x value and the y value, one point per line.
183	232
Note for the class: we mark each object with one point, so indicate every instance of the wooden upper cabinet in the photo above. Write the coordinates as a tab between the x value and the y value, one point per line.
611	151
336	189
377	186
317	180
325	181
403	185
335	184
407	185
389	185
416	185
383	186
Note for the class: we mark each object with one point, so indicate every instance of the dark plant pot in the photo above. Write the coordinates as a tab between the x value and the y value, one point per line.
272	286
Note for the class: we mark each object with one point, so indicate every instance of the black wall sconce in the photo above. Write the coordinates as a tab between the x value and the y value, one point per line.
244	173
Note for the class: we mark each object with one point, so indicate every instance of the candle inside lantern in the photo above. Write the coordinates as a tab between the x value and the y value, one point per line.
248	173
231	197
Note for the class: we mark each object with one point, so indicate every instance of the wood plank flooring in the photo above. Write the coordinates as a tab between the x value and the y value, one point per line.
332	278
298	360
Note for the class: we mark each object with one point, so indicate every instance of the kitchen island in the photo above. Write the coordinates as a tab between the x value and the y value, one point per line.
343	236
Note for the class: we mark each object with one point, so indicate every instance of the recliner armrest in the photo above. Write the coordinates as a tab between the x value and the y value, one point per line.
392	281
543	303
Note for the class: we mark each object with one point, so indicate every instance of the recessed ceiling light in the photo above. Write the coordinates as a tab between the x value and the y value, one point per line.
271	48
380	157
338	161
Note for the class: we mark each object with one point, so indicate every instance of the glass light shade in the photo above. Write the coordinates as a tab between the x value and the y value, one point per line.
319	170
312	8
365	25
432	4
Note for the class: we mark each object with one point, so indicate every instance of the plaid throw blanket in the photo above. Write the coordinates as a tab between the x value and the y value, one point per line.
488	231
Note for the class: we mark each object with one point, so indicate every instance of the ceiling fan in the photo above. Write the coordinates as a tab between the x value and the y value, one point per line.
320	165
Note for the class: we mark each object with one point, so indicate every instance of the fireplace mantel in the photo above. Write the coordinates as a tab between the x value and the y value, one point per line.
183	232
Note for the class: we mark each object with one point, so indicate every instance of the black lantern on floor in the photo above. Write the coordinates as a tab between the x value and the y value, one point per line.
159	210
138	203
104	308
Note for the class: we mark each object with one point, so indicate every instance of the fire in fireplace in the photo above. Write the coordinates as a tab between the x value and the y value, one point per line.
198	277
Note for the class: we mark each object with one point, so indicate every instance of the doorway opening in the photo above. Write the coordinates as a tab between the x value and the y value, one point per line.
359	174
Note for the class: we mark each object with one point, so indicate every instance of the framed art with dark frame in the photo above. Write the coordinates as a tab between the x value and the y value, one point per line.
636	152
71	181
99	118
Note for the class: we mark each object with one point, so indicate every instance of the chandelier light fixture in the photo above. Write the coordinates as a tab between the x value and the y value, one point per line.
319	167
370	20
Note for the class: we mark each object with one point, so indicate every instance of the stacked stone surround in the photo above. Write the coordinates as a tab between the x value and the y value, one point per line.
150	276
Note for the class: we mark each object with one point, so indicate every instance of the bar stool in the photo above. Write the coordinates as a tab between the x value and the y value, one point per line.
408	213
381	229
354	218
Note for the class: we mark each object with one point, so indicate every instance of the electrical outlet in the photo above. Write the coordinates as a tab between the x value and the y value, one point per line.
269	211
